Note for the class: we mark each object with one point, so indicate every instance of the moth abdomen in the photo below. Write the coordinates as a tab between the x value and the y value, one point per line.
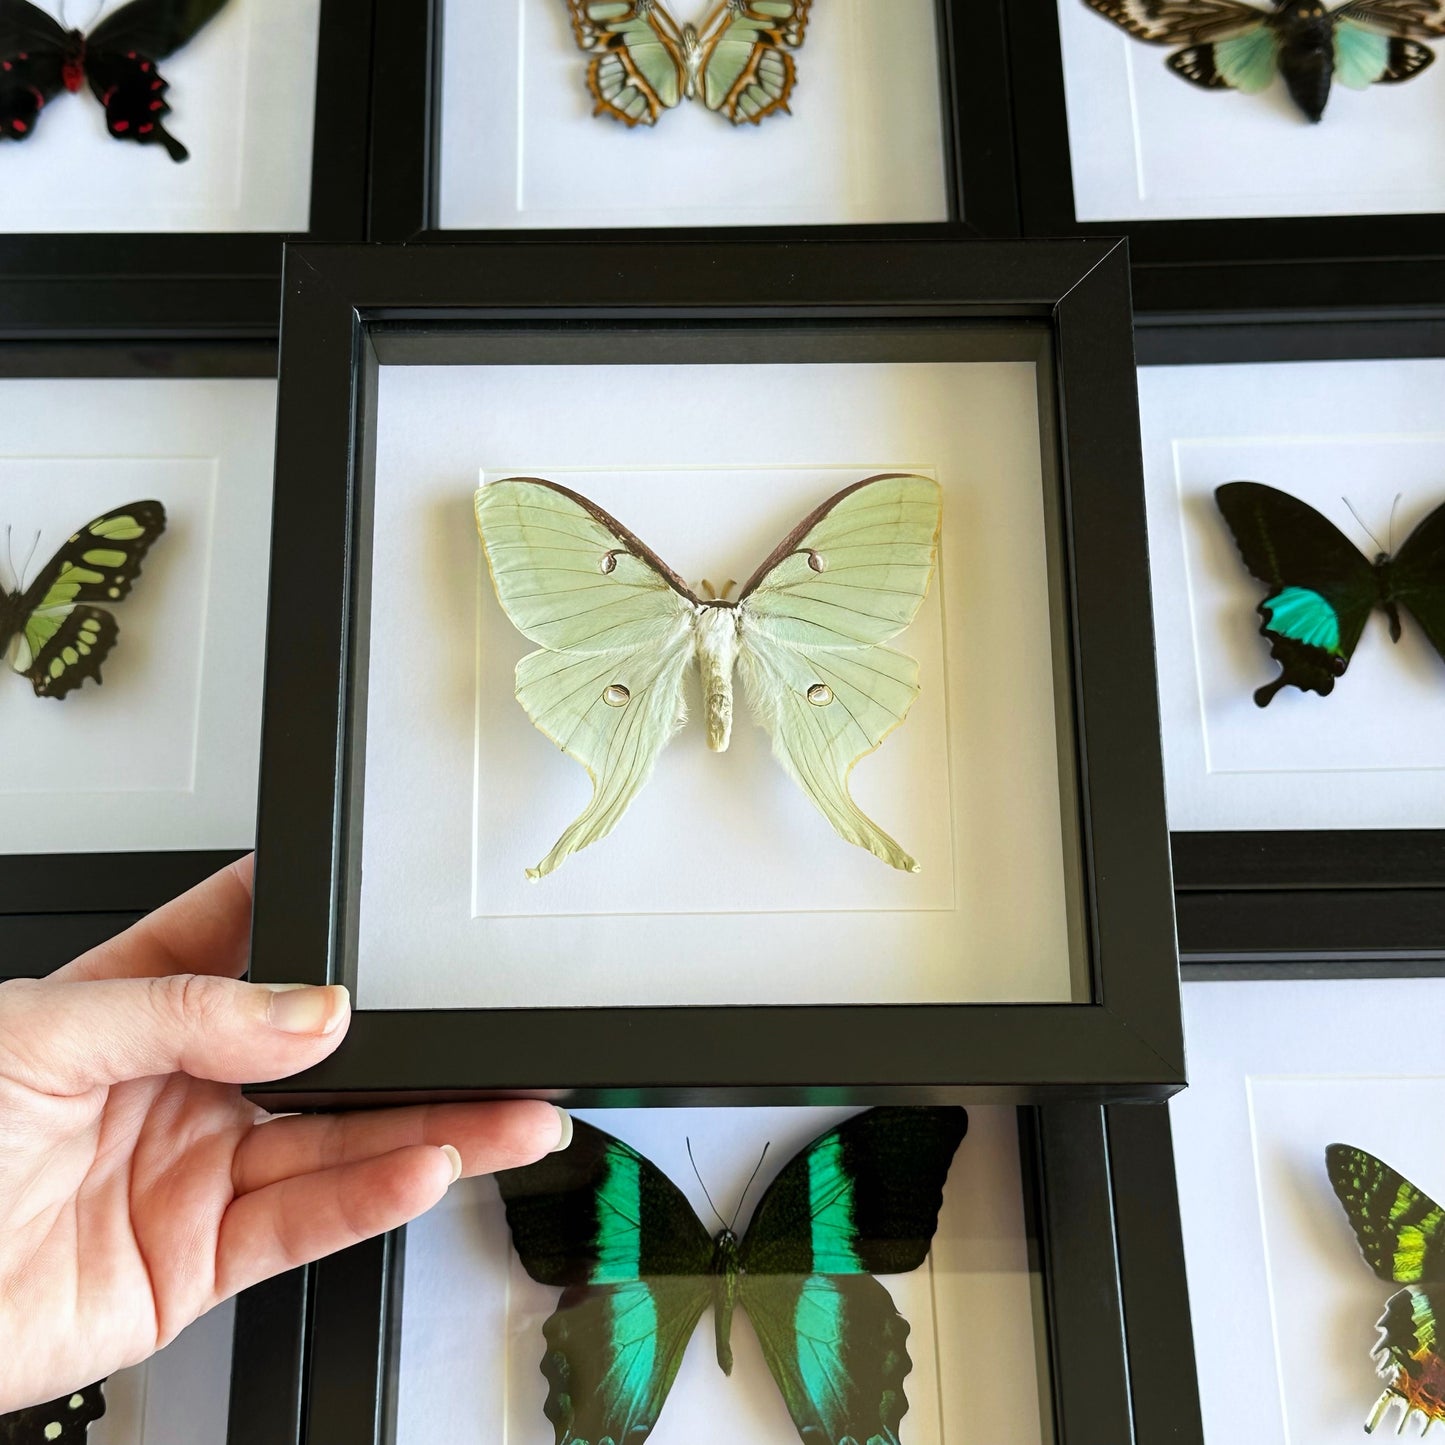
717	652
1307	58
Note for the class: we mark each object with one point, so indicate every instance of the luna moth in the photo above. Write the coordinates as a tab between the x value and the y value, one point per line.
617	630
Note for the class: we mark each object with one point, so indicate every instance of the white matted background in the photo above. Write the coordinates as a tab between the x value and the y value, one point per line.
521	147
1284	1307
722	884
180	1396
243	98
1372	753
1148	145
471	1334
164	753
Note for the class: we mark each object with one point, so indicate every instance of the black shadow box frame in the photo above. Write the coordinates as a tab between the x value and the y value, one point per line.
1115	1345
203	284
1215	269
1063	305
1357	903
56	906
406	135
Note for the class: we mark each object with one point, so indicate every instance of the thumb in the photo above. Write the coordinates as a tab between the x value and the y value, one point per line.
68	1038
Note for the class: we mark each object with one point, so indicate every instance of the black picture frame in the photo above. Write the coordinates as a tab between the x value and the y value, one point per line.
1306	903
351	308
198	284
54	907
1115	1344
1192	270
405	135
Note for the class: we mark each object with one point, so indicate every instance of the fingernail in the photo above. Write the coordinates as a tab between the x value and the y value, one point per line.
564	1136
298	1008
455	1159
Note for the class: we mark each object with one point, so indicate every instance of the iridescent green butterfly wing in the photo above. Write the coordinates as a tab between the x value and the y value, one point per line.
66	1421
637	1269
736	61
1399	1231
58	638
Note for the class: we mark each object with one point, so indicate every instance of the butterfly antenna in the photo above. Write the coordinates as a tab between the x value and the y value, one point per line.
705	1194
10	557
1361	521
1394	507
749	1184
25	566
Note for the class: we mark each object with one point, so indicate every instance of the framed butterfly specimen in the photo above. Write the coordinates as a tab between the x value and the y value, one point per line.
735	61
1230	44
618	631
1398	1229
60	1422
57	635
637	1268
1323	588
40	58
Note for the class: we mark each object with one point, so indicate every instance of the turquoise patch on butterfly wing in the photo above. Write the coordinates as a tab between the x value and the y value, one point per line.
619	1219
1361	56
632	1368
1304	616
830	1205
1247	62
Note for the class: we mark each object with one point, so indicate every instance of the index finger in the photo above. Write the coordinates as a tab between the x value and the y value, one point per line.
207	930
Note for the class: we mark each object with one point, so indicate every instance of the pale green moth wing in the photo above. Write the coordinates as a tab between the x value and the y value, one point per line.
746	73
615	629
861	1199
1364	55
813	618
1397	1226
640	65
636	1266
61	639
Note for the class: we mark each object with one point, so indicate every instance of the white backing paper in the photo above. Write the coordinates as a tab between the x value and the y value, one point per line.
163	754
180	1396
1334	434
471	1336
521	147
1147	145
1283	1305
243	98
722	884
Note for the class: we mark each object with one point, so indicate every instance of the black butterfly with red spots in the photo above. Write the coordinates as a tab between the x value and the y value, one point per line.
39	58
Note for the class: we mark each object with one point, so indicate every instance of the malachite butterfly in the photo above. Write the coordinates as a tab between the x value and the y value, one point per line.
1323	589
637	1269
735	61
1232	45
40	58
1399	1233
66	1421
55	634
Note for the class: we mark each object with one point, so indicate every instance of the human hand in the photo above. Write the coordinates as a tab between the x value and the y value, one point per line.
138	1189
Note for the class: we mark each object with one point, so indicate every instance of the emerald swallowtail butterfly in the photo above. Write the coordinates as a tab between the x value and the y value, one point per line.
59	638
1323	588
1230	44
637	1269
735	61
40	58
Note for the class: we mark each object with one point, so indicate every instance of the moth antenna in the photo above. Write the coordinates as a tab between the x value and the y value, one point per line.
749	1184
1394	507
10	558
1361	521
703	1186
